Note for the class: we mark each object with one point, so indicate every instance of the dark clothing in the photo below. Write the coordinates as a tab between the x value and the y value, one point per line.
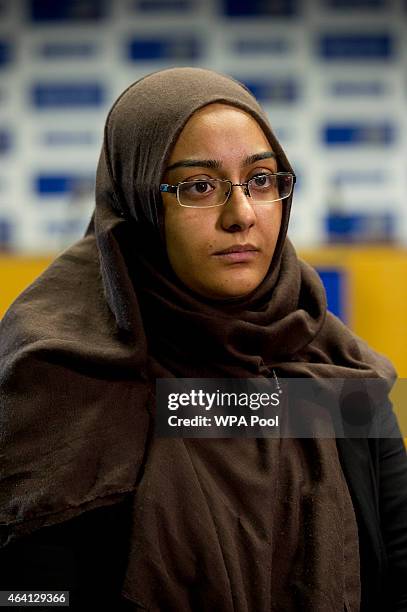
375	470
87	555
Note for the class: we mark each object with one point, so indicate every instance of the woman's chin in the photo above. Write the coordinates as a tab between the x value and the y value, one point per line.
228	291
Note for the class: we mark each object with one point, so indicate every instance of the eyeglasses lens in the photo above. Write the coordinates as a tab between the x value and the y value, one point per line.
267	188
200	194
263	188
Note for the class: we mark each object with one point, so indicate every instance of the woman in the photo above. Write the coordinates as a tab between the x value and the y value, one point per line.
186	271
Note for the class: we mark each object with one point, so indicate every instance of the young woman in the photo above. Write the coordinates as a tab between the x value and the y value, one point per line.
186	271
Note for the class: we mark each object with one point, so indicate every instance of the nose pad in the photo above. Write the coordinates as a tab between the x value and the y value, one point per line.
245	190
239	214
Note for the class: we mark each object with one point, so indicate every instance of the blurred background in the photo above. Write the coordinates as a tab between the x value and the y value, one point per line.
331	74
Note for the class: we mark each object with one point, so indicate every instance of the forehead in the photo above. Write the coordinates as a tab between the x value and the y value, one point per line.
219	128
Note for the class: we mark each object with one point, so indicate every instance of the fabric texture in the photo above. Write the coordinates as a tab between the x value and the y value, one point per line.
265	527
81	348
92	549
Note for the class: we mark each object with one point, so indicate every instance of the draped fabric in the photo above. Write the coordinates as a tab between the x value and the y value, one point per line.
243	525
81	348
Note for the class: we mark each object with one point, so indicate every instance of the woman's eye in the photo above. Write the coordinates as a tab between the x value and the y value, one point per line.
202	187
261	180
199	187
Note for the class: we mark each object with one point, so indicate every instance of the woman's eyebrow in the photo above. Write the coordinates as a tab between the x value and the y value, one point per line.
199	163
215	164
251	159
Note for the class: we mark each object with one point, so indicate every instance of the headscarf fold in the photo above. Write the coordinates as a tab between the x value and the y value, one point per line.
81	347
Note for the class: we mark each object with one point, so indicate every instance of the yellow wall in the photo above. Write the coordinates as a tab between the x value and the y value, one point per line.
377	295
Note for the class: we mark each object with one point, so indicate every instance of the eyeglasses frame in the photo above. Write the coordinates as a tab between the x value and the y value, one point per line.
166	188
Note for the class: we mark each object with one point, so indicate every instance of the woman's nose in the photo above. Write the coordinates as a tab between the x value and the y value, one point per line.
238	213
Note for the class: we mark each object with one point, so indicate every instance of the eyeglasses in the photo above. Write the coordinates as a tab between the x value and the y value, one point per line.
263	188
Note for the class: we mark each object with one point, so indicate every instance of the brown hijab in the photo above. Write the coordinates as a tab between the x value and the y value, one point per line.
81	347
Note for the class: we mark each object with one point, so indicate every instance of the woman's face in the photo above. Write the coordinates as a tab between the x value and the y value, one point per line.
220	141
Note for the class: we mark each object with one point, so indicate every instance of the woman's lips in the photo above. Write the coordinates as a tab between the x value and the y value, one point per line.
238	253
